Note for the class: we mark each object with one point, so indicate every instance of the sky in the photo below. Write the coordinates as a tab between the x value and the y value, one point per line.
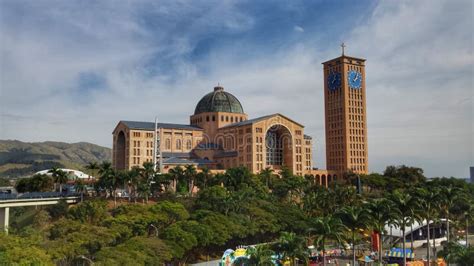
70	70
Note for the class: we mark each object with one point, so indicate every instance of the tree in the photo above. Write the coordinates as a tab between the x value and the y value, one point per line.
190	172
456	253
327	228
176	174
80	187
381	212
41	219
62	178
292	246
108	179
92	167
405	205
203	178
449	196
407	174
355	218
58	210
36	183
55	172
267	175
136	251
429	199
260	255
90	211
4	182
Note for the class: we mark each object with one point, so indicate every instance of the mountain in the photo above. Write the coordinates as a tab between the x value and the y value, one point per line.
24	158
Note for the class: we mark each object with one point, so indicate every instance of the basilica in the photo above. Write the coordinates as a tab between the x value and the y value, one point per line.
221	135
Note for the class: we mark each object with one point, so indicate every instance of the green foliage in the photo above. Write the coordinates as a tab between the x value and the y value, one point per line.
292	246
459	254
36	183
16	250
178	239
135	251
4	182
92	211
230	209
58	210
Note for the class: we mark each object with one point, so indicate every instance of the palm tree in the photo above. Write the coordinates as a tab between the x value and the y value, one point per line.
468	216
354	218
292	246
260	255
429	202
267	174
203	178
449	196
405	206
109	179
147	174
54	171
93	167
381	212
190	172
176	174
62	178
80	187
327	228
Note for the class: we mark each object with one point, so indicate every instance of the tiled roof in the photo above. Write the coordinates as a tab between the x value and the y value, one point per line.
174	160
151	125
180	161
307	137
177	154
226	154
254	120
250	121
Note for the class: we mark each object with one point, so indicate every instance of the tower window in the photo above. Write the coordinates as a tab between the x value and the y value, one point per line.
207	118
213	118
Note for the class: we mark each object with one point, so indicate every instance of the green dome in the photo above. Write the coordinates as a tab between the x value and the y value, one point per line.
219	101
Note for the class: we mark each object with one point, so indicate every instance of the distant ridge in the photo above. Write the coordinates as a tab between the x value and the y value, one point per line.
19	158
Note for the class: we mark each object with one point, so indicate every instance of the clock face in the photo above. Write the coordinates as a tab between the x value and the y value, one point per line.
354	78
334	81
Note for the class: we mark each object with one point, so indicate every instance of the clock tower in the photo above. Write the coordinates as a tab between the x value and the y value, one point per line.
345	114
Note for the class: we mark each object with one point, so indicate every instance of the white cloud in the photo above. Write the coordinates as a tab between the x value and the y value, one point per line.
419	74
298	29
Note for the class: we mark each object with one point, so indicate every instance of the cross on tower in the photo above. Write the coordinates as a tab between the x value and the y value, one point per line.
343	46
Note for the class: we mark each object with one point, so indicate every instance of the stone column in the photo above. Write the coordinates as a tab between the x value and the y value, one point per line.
4	218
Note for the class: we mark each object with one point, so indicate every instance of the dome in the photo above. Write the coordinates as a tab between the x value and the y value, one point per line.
219	101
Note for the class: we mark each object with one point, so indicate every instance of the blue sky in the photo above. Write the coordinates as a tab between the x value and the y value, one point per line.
71	69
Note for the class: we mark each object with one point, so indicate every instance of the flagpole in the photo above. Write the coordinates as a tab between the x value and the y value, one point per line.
155	143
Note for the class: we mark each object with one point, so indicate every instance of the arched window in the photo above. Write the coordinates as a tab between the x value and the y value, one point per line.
189	144
178	144
168	144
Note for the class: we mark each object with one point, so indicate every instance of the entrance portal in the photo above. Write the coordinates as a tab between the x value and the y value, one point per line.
278	147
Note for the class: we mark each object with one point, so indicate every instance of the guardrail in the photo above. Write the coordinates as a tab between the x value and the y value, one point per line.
38	195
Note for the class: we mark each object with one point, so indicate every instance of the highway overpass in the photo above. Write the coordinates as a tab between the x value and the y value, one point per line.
8	201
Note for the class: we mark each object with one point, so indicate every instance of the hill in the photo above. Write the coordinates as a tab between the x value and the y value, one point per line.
19	158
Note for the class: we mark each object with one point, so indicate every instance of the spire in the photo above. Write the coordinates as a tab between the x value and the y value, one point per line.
343	46
218	87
